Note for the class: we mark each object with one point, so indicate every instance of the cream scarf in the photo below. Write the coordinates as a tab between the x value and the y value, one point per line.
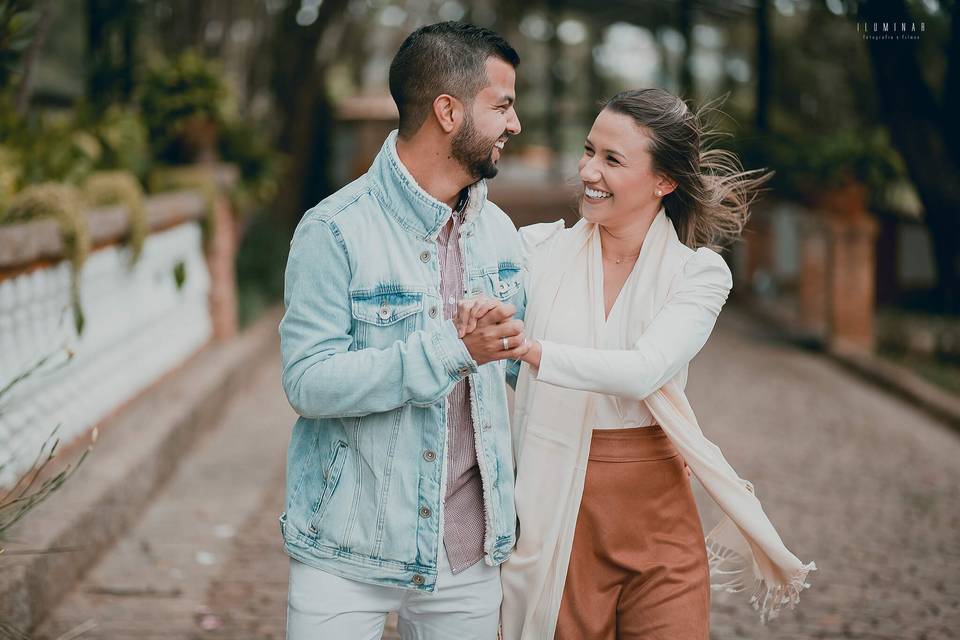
552	432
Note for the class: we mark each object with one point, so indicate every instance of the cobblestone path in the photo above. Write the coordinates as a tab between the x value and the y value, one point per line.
859	481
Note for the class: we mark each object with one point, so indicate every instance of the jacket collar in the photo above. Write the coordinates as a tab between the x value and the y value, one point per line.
406	201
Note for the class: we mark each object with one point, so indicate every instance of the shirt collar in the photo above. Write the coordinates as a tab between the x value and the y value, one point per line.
406	200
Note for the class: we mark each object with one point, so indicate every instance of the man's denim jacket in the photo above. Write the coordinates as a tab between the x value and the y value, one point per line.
368	361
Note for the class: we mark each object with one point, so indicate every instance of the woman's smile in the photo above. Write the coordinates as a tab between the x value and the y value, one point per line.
595	196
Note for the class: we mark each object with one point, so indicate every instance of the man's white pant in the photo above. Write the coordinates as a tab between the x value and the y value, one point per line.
323	606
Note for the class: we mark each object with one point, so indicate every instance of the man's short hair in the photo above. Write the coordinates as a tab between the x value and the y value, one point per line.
447	57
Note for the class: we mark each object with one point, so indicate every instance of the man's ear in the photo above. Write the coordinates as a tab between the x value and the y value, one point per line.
448	111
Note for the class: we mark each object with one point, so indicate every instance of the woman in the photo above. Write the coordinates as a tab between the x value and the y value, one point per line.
610	543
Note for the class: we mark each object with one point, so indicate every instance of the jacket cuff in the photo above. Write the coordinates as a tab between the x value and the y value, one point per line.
548	370
453	352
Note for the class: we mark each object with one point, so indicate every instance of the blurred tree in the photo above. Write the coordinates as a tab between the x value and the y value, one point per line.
300	96
685	27
112	27
32	52
761	119
555	88
16	17
924	128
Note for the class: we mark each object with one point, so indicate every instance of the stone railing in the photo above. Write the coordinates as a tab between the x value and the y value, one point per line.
142	319
816	269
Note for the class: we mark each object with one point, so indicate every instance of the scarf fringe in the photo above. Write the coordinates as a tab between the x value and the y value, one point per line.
729	573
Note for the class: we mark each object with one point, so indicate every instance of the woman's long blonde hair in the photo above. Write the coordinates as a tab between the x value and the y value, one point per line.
711	203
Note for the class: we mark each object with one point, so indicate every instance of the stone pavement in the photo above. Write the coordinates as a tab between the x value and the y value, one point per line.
860	482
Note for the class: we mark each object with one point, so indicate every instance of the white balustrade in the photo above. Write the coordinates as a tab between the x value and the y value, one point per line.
139	326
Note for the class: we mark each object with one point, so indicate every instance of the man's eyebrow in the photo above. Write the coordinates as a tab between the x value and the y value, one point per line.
507	98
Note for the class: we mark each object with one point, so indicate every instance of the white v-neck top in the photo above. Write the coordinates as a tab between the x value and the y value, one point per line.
612	412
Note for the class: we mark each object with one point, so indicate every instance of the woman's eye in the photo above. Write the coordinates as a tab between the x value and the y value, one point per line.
588	151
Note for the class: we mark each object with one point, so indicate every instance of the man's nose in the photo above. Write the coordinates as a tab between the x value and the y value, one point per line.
513	123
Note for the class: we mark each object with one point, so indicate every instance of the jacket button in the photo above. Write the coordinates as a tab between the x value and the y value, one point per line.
429	455
417	579
425	512
463	371
384	312
425	256
502	287
433	312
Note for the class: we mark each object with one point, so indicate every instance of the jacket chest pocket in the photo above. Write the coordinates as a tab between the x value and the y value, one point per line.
505	281
381	318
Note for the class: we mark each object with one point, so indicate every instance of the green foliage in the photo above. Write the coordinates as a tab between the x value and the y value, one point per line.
65	205
123	137
849	156
59	152
179	274
246	146
17	21
9	174
807	166
197	177
63	147
61	202
261	257
119	187
182	102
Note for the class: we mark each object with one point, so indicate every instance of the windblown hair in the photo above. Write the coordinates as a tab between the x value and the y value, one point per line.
447	57
711	203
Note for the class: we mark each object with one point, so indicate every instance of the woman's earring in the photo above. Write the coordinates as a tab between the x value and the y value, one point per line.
659	193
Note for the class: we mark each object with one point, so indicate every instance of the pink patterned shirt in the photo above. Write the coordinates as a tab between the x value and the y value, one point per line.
464	519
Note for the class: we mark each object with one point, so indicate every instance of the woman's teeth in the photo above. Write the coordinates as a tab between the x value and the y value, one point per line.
595	193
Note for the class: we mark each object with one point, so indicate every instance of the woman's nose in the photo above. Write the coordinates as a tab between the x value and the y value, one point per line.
588	171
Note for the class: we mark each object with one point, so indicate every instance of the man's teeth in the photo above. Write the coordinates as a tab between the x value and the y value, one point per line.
594	193
499	144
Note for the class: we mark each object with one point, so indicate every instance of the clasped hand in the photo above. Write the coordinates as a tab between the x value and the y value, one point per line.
489	331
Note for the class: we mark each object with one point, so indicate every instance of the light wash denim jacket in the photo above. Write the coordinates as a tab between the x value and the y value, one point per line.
368	361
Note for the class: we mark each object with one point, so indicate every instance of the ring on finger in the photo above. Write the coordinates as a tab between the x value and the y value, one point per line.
505	343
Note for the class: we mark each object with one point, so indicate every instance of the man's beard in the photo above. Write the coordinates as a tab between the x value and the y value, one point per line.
473	152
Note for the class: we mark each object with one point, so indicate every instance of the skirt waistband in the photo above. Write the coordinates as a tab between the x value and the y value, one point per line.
631	445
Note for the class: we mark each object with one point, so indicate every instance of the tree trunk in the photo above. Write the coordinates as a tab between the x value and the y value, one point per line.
30	60
300	95
762	95
685	26
918	128
554	116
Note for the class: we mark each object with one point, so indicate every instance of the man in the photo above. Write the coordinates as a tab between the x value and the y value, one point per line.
399	472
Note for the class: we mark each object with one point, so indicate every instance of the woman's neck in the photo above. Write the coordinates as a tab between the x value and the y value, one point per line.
626	239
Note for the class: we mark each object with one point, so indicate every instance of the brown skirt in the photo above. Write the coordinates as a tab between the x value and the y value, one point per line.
638	568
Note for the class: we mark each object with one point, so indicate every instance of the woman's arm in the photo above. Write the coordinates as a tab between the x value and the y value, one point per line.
672	339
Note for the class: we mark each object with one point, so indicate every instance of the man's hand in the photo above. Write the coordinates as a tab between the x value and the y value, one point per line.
470	310
493	334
